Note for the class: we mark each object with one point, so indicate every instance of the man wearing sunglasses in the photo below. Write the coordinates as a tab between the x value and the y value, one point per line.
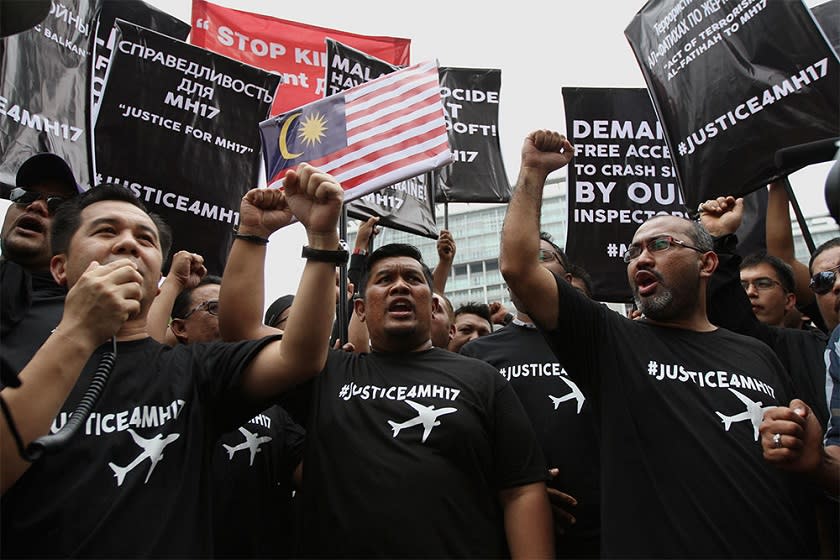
678	397
30	300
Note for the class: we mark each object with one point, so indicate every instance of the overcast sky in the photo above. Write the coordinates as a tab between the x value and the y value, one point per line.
540	47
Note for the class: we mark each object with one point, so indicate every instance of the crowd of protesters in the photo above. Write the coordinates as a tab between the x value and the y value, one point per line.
704	425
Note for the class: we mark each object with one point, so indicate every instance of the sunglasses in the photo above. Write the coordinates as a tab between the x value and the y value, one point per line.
761	284
822	282
211	305
23	196
656	245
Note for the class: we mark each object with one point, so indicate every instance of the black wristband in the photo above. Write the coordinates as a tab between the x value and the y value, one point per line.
251	238
508	318
338	257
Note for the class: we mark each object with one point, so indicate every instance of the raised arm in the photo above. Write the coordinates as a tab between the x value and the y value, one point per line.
95	309
446	255
315	199
186	272
780	241
543	152
241	297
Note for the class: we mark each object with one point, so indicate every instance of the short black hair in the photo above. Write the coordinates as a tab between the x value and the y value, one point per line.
183	302
830	244
561	254
394	250
783	269
475	308
68	219
579	272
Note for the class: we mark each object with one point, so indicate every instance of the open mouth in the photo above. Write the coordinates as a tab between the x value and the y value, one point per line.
646	282
401	308
31	224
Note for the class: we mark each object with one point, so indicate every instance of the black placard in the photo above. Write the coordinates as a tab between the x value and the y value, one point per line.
471	101
733	82
178	126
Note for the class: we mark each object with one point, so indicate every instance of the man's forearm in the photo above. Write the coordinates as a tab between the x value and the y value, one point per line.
46	382
521	228
241	296
528	522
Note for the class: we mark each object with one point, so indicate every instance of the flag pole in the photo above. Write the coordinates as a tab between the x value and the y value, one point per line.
803	226
342	283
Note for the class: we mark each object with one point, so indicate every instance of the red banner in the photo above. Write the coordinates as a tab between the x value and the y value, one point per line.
295	50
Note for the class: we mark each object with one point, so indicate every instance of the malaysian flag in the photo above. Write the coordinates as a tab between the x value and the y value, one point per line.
367	137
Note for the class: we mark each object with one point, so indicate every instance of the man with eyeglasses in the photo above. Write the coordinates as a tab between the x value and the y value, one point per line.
792	437
768	281
678	397
30	301
252	466
195	312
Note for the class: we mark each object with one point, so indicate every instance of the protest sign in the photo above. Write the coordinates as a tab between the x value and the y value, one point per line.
729	93
621	175
471	102
43	90
186	143
293	50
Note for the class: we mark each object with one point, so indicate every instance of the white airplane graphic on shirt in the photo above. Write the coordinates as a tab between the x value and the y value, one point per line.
754	413
574	394
152	450
251	443
426	415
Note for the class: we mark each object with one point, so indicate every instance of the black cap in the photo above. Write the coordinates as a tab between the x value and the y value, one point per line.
277	308
46	167
20	15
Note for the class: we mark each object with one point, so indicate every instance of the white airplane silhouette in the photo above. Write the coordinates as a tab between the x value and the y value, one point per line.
575	394
754	413
252	443
426	415
152	450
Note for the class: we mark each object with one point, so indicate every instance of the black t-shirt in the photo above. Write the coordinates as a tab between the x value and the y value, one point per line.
406	454
31	306
682	468
135	480
253	515
562	418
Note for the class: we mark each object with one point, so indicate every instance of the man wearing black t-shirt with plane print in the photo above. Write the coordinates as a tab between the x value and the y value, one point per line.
680	400
412	450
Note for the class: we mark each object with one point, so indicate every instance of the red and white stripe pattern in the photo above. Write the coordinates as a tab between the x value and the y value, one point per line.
395	130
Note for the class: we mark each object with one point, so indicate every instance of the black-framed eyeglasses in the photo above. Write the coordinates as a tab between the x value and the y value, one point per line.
546	256
656	245
211	306
23	196
761	284
822	282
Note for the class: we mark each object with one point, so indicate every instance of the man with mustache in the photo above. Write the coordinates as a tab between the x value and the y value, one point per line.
412	450
679	399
